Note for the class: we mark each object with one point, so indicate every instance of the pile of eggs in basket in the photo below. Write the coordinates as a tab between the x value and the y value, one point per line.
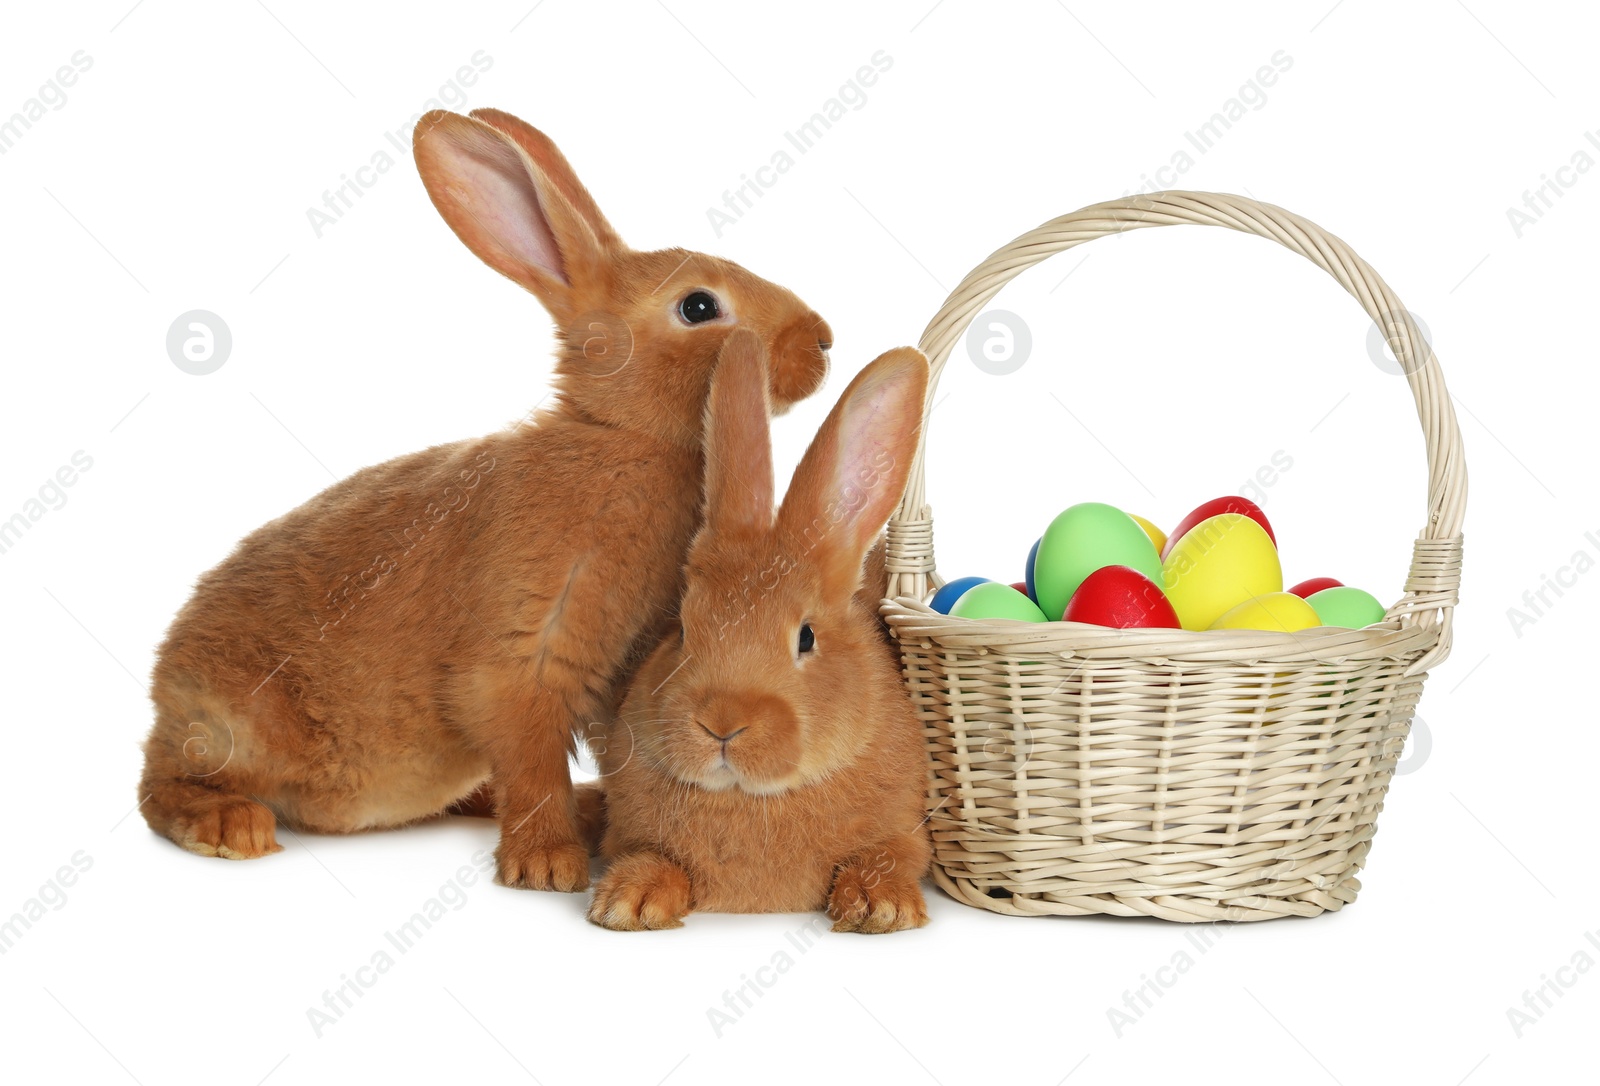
1217	570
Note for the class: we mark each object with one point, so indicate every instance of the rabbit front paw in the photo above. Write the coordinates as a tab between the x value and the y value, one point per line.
868	898
642	892
529	866
233	827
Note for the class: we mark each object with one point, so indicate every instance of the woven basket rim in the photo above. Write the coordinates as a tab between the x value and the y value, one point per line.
1390	639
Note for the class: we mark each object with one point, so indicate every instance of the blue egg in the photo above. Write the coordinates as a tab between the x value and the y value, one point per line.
1033	556
946	597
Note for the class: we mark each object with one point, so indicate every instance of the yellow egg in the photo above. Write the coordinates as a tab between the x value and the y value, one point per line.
1275	611
1157	536
1218	564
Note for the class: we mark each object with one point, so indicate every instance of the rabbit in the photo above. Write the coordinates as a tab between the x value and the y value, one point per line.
767	757
453	619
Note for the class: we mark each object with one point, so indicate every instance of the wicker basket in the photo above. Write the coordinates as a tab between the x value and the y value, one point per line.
1219	775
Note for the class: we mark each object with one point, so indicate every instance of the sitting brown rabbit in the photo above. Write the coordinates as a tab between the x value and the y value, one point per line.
767	757
456	617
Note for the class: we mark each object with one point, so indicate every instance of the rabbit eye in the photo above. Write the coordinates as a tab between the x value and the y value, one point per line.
808	640
698	307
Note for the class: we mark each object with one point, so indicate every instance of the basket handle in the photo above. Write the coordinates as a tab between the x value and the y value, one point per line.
1431	589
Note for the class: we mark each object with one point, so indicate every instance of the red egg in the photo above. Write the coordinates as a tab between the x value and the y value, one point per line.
1214	507
1306	589
1021	586
1120	597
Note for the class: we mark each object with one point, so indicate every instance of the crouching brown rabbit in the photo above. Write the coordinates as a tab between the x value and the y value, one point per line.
767	758
454	618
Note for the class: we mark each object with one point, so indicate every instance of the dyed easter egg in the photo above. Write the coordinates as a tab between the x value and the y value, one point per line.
1306	589
1033	555
1217	565
1157	536
1275	611
992	600
1215	507
1083	539
946	597
1122	598
1347	607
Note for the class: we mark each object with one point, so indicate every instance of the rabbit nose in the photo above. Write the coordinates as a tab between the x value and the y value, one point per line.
799	360
720	737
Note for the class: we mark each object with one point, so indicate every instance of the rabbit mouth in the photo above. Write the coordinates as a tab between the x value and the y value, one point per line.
722	776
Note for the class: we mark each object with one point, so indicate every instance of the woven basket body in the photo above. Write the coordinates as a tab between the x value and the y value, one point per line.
1193	776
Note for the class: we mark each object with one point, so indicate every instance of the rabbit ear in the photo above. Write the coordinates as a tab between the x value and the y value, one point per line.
854	473
507	209
738	439
548	157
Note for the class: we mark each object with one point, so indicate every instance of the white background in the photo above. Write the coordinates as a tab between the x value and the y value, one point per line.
1168	368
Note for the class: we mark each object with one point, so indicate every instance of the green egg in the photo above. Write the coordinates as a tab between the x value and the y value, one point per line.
1084	538
992	600
1347	607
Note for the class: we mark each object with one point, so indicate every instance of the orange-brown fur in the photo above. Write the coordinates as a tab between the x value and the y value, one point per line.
742	774
459	616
